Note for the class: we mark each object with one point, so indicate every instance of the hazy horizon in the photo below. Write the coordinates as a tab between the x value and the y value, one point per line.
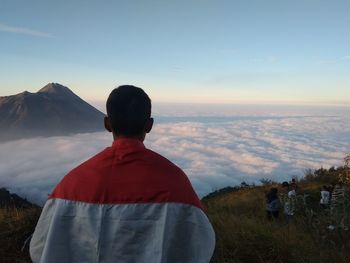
100	104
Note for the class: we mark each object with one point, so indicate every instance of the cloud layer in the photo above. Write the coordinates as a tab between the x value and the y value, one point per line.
23	31
214	151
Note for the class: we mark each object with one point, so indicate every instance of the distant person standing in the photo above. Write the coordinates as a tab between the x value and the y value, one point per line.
293	184
273	204
338	199
289	203
125	204
325	196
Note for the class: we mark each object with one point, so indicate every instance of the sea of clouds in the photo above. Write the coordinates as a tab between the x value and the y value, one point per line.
217	146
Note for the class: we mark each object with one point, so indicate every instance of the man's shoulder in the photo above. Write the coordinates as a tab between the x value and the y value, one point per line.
162	162
105	160
93	163
86	168
140	176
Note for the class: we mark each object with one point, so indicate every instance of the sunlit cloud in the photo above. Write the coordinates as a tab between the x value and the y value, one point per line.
24	31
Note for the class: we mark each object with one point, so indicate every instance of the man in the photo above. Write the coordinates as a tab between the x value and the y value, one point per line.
273	204
338	200
324	201
127	203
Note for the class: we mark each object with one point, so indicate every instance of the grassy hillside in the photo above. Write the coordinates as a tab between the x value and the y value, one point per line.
17	220
16	225
245	235
242	230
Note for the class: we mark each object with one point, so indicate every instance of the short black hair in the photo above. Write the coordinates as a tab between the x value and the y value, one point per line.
128	109
285	184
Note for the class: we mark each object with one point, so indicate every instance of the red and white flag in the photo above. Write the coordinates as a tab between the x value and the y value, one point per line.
126	204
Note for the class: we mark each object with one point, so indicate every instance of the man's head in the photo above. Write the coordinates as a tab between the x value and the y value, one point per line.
128	112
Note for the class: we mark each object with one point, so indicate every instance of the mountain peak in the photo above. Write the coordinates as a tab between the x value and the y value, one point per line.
53	110
55	89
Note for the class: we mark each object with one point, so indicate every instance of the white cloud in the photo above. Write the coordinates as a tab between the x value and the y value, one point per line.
269	59
25	31
229	51
333	61
327	62
213	151
272	59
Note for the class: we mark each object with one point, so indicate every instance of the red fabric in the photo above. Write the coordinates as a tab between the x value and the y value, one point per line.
127	172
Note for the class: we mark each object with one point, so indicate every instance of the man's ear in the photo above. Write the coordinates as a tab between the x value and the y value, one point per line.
149	125
107	123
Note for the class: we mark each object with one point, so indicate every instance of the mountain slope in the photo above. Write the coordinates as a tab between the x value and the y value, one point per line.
8	199
314	234
53	110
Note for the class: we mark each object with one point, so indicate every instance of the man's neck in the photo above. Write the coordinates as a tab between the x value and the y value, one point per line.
140	138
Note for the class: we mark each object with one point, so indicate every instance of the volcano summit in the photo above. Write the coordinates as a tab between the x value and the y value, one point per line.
52	111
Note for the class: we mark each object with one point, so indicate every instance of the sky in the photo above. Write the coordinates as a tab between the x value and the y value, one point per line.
197	51
216	147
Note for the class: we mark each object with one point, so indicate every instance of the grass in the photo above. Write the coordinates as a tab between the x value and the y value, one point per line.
245	235
16	225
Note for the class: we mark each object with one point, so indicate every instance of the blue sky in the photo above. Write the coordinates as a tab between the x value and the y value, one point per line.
247	51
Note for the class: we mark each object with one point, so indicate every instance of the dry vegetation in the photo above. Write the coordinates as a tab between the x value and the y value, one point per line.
245	235
16	225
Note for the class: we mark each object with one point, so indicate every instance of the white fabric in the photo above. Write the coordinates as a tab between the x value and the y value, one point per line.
70	231
292	193
289	205
324	197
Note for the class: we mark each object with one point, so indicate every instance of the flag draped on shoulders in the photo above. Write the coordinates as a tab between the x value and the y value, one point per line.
126	204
